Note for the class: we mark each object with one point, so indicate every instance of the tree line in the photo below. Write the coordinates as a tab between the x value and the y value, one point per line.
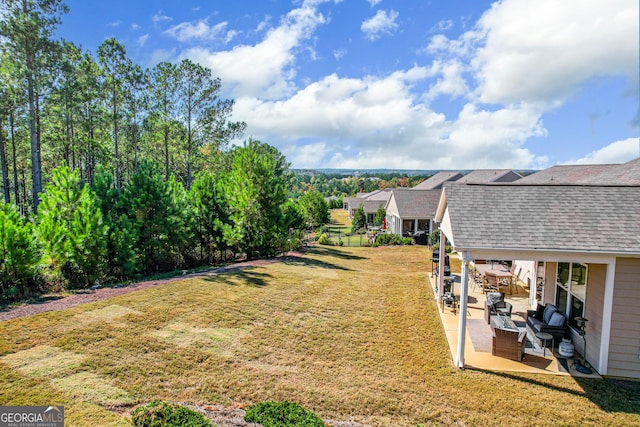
111	171
60	103
86	234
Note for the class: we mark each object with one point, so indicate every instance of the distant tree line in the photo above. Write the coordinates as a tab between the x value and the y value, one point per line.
340	185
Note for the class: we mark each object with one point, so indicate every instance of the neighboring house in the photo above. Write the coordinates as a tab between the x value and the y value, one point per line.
436	181
370	201
585	238
486	176
410	210
568	174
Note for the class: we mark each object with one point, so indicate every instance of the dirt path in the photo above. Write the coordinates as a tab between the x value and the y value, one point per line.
87	296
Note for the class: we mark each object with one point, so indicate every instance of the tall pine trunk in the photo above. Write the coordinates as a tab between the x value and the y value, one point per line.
16	187
5	167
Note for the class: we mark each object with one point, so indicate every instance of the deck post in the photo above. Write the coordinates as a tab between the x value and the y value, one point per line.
441	264
464	293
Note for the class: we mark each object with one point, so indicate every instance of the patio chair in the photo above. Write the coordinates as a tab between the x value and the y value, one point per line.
495	305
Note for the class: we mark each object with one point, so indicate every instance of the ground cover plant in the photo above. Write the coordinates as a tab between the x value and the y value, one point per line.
282	414
349	334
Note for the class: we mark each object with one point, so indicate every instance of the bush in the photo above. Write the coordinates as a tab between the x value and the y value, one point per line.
324	240
282	414
406	241
340	242
164	414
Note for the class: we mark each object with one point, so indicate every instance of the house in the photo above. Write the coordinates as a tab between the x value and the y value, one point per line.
628	173
584	238
485	176
410	210
370	201
436	181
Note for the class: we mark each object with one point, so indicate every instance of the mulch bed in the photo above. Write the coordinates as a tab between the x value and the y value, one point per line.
53	302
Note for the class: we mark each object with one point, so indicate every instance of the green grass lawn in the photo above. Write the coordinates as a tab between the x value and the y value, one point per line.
349	333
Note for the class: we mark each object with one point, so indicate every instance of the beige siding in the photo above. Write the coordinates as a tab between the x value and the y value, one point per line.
624	342
549	293
594	306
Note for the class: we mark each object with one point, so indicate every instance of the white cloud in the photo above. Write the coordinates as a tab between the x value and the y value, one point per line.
264	70
616	152
338	54
135	27
115	23
142	40
452	81
524	60
382	23
186	31
159	18
444	25
374	3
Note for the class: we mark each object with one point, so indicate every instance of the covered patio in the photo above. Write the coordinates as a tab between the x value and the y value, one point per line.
589	250
479	336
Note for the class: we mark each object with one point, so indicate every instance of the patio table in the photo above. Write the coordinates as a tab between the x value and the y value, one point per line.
501	274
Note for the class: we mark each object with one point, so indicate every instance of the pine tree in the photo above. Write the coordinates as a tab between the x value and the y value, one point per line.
18	253
71	229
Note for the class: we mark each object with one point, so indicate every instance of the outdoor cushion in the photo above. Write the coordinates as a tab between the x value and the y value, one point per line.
557	319
548	312
539	311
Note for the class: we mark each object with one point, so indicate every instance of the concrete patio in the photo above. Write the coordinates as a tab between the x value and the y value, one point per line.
477	354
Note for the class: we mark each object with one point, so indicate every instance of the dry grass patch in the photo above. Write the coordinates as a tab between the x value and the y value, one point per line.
109	313
90	387
44	361
219	340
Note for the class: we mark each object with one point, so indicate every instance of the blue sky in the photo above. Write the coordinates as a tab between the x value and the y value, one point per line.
403	84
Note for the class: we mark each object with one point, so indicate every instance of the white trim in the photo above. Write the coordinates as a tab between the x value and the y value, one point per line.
606	317
462	309
534	255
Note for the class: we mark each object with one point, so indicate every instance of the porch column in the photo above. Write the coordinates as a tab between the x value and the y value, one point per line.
606	317
462	313
415	225
443	240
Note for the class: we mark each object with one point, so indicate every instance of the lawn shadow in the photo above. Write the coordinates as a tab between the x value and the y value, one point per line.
325	250
246	274
314	263
610	396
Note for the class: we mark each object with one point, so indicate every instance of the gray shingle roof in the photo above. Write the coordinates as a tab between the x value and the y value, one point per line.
436	181
485	176
567	174
585	218
414	203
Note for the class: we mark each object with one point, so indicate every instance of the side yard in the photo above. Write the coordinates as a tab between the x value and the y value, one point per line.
352	334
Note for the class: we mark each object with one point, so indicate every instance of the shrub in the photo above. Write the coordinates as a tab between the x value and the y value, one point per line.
324	240
340	242
164	414
282	414
387	239
406	241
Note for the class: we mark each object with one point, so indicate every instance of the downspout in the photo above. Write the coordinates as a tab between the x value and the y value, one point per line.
464	292
607	312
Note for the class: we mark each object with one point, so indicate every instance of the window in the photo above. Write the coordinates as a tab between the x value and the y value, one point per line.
571	290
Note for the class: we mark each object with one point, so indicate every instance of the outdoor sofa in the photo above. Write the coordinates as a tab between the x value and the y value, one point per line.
547	318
